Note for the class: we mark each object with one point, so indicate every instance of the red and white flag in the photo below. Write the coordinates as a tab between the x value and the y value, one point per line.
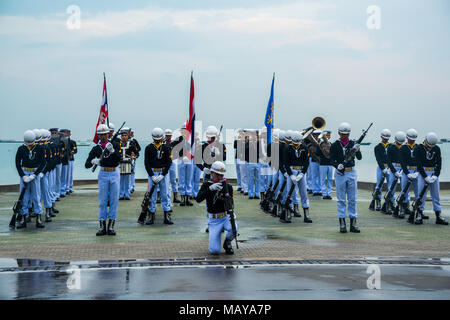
190	123
103	116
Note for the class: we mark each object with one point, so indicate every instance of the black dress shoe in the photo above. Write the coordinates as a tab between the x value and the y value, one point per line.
126	198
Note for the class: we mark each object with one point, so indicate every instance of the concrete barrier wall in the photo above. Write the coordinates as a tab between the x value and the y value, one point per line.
361	185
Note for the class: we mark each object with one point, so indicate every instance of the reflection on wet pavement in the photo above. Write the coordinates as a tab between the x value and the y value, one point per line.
198	279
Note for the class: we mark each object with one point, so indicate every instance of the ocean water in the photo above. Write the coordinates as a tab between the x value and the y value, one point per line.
366	168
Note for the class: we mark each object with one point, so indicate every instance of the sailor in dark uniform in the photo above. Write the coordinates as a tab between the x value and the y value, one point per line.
73	150
133	163
29	163
158	160
108	178
409	167
128	154
45	175
212	150
345	177
65	150
380	151
429	163
216	196
296	164
393	159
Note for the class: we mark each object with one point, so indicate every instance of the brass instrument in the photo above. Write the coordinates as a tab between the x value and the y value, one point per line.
318	123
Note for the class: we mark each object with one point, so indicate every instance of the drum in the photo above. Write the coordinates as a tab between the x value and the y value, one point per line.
125	167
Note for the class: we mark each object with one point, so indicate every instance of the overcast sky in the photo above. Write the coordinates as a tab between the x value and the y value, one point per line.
327	62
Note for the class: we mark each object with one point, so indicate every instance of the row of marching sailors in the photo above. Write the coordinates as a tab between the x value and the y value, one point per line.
296	158
413	164
45	166
286	163
254	179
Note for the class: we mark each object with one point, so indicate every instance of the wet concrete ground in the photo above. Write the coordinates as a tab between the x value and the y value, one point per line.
227	282
297	282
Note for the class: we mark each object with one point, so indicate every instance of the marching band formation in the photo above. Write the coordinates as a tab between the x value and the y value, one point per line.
280	174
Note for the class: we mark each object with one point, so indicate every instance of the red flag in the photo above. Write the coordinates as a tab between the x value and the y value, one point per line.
103	116
190	127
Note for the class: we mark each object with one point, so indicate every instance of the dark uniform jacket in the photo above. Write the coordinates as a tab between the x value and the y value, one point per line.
425	157
338	151
207	157
73	149
282	150
137	147
205	193
157	157
182	146
56	142
30	158
407	157
109	160
381	154
323	161
296	156
393	156
131	148
48	158
65	151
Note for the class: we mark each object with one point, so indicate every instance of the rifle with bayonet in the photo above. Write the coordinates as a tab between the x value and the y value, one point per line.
388	205
145	203
376	194
276	209
350	153
227	200
417	216
400	199
104	150
17	207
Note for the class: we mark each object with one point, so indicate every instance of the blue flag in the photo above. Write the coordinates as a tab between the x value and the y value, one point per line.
268	120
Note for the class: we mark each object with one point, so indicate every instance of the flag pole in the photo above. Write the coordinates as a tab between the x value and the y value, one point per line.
107	118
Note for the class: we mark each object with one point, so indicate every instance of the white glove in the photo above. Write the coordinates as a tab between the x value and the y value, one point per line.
398	174
95	161
26	179
206	170
415	175
340	166
300	176
286	175
294	178
216	151
110	147
356	146
159	178
386	171
155	179
185	159
41	175
429	180
410	176
216	186
31	177
434	178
